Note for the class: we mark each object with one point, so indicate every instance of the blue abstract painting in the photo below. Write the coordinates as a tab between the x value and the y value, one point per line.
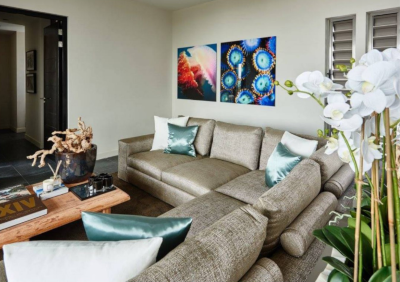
248	71
197	69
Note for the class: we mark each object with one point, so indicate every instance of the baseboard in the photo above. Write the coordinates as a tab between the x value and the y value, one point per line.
33	141
18	129
104	155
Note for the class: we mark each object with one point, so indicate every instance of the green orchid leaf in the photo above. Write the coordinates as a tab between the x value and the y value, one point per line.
381	275
364	218
389	279
339	266
334	235
320	236
388	257
336	276
366	201
365	229
367	252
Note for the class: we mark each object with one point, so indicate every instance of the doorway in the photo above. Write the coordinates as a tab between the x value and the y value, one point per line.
40	102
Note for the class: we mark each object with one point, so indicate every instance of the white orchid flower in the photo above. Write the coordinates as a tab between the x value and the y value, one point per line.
343	150
315	83
337	98
370	150
331	146
366	165
345	124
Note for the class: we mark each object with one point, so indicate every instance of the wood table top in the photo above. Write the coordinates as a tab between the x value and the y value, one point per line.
61	210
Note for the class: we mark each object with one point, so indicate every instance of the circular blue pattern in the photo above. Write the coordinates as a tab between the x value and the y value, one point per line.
262	60
267	100
262	84
226	96
229	80
250	45
245	97
235	56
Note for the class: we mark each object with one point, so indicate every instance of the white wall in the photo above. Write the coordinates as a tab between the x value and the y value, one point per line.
34	105
119	65
300	30
6	39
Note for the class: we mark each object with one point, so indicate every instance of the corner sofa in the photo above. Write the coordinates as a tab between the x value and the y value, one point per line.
242	230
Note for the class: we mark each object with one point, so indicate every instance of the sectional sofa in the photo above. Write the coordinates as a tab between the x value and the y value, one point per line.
242	230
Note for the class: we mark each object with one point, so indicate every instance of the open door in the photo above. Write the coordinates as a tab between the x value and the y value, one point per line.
52	81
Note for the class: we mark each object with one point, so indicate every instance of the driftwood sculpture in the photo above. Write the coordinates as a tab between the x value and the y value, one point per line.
77	140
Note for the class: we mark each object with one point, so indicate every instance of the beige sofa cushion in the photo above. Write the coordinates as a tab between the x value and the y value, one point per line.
153	163
340	181
205	210
237	144
287	199
204	136
199	177
264	270
246	188
298	236
273	137
225	251
329	164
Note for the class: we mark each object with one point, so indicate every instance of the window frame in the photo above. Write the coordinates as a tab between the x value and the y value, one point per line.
370	22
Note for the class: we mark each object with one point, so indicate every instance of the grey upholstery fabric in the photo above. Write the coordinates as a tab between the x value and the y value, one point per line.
225	251
129	146
287	199
158	189
199	177
204	136
246	188
329	164
339	182
298	236
273	137
205	210
264	270
229	139
153	163
298	269
3	277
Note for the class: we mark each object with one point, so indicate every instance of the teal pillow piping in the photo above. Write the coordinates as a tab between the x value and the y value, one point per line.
280	164
181	139
118	227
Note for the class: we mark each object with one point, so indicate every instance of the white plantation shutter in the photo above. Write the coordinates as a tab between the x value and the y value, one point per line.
341	46
384	29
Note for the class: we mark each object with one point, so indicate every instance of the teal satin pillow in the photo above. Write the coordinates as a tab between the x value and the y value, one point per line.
180	140
280	164
118	227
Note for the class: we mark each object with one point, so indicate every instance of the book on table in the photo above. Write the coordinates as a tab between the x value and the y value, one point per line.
19	207
57	191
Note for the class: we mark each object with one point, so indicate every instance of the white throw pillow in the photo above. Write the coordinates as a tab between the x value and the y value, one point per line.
160	141
299	146
79	261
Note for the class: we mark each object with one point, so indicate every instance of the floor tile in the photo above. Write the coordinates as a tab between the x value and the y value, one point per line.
10	177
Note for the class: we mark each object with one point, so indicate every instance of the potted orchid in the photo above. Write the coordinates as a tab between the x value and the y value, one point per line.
364	117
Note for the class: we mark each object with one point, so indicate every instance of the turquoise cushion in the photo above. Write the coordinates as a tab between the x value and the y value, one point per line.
117	227
180	140
280	164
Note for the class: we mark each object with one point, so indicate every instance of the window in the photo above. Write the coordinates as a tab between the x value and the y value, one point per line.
340	46
383	29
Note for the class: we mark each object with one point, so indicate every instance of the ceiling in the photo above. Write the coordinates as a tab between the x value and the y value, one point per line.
173	5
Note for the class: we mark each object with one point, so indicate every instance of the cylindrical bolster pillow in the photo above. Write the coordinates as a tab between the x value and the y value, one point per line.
264	270
329	164
298	236
340	181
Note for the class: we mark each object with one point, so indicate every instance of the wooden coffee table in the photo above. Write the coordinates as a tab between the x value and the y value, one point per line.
61	210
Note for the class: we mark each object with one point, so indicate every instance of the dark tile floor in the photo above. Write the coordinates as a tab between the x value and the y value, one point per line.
16	169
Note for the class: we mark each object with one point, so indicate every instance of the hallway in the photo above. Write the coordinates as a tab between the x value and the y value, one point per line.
15	168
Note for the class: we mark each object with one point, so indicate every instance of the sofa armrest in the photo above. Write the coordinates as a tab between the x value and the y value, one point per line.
264	270
3	277
340	181
286	200
329	164
129	146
